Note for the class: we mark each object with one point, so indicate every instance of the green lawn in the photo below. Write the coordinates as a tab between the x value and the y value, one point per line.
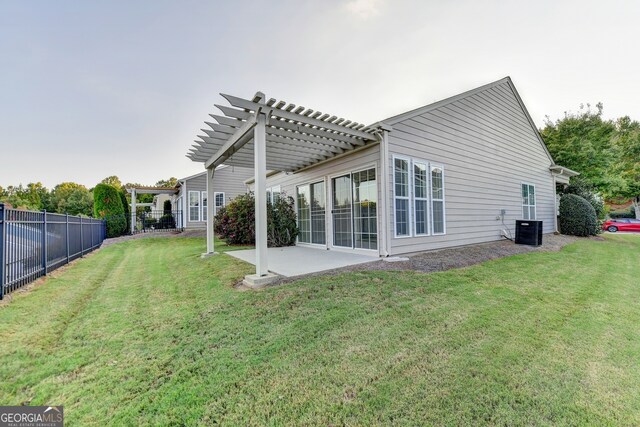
147	333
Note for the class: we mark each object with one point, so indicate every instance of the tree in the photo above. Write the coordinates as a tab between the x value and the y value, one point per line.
72	198
127	209
113	181
171	182
33	197
605	152
108	206
583	142
627	144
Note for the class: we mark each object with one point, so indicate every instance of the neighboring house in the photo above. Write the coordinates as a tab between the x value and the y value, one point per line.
191	193
158	202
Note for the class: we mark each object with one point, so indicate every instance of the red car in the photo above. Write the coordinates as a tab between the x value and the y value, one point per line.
621	224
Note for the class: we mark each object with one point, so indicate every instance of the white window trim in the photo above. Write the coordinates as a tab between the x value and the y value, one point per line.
411	197
426	199
535	202
215	201
203	208
199	206
408	197
271	190
444	197
329	190
326	213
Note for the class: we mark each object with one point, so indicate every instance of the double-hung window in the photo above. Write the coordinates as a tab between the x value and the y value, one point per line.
437	199
219	202
528	201
194	206
273	194
418	198
421	198
204	205
401	196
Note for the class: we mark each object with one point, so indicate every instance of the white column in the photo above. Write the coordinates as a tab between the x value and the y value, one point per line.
555	205
210	205
133	210
385	201
260	177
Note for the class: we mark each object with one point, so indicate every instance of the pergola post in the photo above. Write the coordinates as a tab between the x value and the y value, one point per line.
384	242
133	210
260	171
211	202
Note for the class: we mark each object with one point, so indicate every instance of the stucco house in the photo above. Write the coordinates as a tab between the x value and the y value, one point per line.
456	172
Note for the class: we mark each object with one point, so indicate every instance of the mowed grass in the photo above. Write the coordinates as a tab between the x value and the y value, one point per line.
148	333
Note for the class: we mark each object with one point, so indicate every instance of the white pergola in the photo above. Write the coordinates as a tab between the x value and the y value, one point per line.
272	135
135	190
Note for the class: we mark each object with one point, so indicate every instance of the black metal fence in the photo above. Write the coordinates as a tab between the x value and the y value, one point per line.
35	243
159	221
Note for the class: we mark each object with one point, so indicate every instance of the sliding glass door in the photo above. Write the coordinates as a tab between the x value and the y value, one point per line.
311	201
354	210
342	211
365	201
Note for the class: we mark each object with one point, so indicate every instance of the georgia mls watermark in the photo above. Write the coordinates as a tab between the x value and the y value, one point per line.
31	416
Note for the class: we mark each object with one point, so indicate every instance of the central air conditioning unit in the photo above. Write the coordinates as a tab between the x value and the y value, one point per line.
528	232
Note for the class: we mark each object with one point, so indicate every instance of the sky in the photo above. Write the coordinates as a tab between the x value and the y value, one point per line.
99	88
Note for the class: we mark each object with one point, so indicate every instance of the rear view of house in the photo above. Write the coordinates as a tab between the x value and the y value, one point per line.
456	172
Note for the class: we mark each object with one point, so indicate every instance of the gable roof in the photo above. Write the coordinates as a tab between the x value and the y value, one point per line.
421	110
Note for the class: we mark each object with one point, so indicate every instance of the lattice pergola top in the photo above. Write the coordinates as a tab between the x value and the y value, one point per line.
296	137
144	189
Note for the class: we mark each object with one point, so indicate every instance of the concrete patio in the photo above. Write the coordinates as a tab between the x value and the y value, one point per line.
298	260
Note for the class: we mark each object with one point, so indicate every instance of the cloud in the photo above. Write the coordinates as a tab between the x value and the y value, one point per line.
364	9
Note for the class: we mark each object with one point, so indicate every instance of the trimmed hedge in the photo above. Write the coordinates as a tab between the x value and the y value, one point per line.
107	205
631	213
127	211
235	223
577	216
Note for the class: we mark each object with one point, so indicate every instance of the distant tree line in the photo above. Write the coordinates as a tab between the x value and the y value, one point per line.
69	197
605	152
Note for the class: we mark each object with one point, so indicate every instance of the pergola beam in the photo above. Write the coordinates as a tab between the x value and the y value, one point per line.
276	156
237	140
253	106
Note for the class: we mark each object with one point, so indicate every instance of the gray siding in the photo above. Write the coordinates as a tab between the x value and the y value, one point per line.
363	159
228	180
488	149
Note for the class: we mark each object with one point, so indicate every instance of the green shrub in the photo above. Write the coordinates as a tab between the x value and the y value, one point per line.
583	188
127	210
166	207
282	227
577	216
166	222
235	223
629	213
107	205
149	222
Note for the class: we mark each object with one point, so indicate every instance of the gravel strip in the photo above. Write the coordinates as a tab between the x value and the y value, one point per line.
446	259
